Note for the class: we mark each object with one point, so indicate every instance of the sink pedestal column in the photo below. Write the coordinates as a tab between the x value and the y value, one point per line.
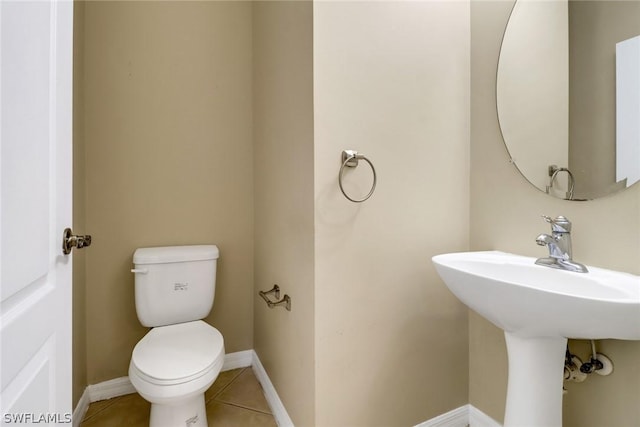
534	391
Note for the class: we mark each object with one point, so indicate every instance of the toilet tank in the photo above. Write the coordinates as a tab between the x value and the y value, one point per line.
174	284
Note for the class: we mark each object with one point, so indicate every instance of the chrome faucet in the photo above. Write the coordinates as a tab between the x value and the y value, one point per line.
559	245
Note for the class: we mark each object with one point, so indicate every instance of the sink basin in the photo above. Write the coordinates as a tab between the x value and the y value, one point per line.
533	300
539	308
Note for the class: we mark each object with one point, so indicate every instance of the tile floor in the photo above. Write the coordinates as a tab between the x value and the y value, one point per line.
235	399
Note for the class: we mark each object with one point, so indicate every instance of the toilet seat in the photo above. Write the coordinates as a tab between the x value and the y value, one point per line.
177	354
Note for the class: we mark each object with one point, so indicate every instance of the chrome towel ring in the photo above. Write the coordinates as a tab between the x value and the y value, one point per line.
350	159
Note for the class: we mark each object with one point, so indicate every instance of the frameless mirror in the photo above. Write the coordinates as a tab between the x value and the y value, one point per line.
568	95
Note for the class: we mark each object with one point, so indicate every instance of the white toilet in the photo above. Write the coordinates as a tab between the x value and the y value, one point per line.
180	357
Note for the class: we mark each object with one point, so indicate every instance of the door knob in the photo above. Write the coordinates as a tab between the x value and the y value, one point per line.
70	240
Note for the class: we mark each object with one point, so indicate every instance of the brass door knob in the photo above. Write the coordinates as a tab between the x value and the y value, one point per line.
70	240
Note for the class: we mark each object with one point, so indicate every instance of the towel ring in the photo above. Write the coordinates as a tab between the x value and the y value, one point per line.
350	159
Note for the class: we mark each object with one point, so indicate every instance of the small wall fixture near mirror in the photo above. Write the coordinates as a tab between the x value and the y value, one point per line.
568	95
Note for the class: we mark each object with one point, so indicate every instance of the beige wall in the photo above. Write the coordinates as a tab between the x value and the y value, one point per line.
283	198
79	355
169	159
505	215
390	340
169	98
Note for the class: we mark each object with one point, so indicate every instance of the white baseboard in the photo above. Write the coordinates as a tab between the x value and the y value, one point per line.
101	391
477	418
241	359
110	389
81	409
277	408
458	417
467	415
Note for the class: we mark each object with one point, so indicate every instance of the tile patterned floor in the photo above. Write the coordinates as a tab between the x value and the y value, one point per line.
235	399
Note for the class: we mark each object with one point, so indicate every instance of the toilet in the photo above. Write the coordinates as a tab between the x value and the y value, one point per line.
181	356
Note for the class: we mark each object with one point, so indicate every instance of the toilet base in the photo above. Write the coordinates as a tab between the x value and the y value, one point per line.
185	413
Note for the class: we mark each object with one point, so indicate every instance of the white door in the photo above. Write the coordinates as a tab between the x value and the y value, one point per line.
35	207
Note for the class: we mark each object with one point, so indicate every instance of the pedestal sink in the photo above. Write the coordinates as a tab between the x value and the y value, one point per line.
539	308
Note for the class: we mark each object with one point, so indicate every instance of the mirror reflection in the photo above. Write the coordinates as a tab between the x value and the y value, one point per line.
568	95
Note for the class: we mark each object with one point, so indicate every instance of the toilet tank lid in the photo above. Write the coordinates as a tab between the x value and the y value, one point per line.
167	254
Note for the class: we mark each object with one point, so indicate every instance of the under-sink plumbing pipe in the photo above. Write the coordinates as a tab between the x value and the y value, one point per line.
575	370
572	367
599	363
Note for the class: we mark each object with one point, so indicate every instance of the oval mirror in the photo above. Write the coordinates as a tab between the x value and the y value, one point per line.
568	95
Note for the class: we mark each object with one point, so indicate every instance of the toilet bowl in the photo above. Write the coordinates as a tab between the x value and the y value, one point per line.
181	356
172	366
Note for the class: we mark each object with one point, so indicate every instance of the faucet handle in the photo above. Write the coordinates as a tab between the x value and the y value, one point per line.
560	224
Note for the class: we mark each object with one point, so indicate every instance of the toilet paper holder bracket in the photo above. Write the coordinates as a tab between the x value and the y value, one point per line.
284	302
